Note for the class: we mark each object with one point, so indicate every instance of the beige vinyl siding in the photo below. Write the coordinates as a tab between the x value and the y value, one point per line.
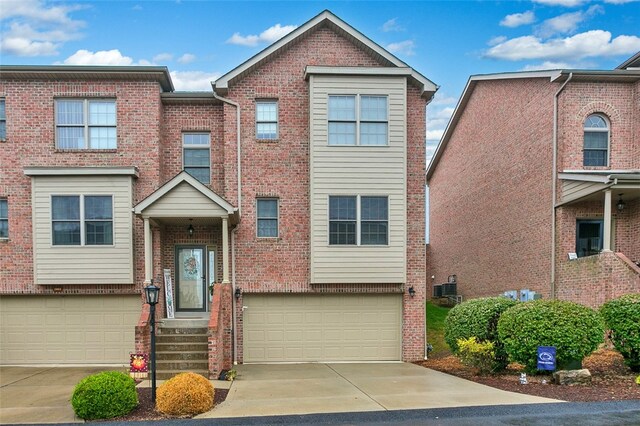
62	265
183	196
322	328
95	329
574	190
358	170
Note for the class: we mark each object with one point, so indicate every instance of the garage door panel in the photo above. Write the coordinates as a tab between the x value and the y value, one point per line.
323	328
67	329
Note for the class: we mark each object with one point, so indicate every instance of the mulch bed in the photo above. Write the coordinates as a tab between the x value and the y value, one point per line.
146	408
611	379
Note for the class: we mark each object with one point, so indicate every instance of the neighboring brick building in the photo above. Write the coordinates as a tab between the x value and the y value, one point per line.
497	203
296	186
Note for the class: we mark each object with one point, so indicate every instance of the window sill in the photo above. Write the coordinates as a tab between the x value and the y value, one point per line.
268	239
4	240
78	151
267	140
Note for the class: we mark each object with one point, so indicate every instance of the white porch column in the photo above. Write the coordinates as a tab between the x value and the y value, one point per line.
148	252
225	250
606	234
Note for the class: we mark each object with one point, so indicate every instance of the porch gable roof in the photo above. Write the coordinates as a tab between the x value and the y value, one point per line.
194	184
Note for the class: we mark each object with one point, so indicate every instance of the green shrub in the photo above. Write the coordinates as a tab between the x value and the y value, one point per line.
185	394
480	355
477	318
622	317
104	395
573	329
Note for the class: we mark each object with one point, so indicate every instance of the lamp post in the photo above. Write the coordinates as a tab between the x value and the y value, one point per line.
152	292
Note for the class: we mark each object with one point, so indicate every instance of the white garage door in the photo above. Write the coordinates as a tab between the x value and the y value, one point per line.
68	329
335	327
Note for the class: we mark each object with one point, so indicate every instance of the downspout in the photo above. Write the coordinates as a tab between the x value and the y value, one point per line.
554	185
234	231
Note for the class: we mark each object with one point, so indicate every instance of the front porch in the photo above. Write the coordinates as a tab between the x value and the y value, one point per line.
598	235
187	254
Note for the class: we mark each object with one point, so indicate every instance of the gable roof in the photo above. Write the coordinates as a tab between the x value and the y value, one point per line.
173	183
329	20
632	62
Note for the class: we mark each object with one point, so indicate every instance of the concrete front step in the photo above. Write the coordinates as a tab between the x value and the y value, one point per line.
182	338
182	347
182	365
169	331
182	355
167	374
184	323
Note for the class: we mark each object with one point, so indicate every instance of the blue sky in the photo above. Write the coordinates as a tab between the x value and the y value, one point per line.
445	40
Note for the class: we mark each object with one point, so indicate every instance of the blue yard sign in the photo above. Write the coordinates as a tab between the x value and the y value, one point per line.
546	358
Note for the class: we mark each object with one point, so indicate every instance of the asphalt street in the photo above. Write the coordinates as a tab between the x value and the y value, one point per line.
566	413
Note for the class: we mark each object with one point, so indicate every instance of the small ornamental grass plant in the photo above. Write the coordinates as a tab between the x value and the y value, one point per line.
479	355
622	317
185	394
104	396
575	331
478	318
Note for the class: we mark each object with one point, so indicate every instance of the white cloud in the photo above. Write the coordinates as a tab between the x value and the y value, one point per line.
36	29
187	58
435	135
548	65
193	80
392	25
497	40
269	35
101	57
517	19
402	48
442	98
566	23
163	57
438	118
595	43
565	3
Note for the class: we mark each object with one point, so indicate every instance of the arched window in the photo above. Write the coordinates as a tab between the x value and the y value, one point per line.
596	141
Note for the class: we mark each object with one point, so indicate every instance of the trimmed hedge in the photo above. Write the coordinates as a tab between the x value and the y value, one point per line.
185	394
622	317
104	395
477	318
575	331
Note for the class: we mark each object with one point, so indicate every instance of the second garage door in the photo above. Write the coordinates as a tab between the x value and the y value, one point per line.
330	327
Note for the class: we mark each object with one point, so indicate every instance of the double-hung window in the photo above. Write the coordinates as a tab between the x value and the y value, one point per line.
596	141
197	155
4	218
267	217
266	119
82	220
3	121
358	120
358	220
86	124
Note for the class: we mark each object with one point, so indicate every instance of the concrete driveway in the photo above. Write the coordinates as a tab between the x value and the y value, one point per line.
261	390
40	394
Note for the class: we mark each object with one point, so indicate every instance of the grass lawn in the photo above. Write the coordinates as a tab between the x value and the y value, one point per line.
435	330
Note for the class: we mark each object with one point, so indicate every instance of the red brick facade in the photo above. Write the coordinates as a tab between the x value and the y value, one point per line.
149	128
491	191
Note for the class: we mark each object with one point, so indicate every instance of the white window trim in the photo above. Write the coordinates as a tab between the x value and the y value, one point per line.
196	146
277	122
597	130
86	126
277	218
358	120
4	139
82	220
358	220
5	218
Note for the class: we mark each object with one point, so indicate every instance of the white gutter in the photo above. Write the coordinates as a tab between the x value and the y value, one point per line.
234	231
554	178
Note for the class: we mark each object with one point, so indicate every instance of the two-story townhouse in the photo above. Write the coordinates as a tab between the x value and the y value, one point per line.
285	207
535	186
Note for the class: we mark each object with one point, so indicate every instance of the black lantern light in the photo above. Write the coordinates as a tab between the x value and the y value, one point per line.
238	292
152	294
190	228
412	291
621	204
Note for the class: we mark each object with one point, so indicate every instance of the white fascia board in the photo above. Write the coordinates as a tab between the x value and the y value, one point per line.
177	180
80	171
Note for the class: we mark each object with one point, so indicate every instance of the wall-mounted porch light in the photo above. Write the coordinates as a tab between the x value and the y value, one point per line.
190	228
621	204
412	291
238	293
